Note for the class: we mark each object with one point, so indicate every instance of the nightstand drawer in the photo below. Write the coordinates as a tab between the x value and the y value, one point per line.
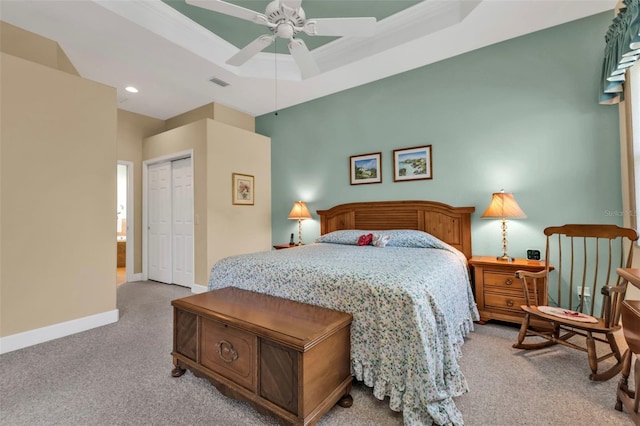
505	282
501	279
504	301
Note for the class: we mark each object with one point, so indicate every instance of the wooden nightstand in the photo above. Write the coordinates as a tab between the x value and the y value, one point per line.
284	246
498	292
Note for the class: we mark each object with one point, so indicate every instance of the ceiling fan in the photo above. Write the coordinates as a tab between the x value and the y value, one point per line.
285	19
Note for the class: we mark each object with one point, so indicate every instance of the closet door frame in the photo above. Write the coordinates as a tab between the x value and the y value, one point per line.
145	208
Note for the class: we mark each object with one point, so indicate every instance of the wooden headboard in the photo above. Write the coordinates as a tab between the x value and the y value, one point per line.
450	224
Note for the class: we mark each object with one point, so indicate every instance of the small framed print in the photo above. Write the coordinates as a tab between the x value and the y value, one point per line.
366	168
412	163
242	189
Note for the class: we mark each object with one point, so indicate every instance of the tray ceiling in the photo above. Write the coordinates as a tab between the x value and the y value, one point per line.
170	51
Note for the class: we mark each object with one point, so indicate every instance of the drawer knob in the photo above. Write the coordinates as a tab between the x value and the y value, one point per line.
226	351
509	281
510	303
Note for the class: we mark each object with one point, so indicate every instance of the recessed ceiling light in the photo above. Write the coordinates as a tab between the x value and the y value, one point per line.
131	89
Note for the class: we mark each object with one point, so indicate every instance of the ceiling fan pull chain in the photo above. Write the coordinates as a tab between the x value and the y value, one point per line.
275	79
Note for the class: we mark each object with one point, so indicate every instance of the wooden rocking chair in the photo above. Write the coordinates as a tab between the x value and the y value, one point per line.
586	258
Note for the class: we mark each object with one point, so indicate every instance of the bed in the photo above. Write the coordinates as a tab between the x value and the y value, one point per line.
410	298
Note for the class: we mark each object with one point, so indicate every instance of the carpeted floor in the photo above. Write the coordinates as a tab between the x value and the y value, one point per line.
120	375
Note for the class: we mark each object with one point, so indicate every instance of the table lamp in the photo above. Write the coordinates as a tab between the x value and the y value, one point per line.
503	206
299	212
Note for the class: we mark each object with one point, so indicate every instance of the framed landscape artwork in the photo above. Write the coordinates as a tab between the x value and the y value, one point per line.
366	168
412	163
242	189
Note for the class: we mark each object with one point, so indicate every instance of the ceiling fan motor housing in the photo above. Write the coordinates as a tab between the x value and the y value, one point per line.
286	23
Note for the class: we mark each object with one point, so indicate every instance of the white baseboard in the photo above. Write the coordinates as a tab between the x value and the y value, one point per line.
136	277
55	331
197	288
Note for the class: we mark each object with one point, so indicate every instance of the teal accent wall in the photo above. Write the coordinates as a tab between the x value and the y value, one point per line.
521	115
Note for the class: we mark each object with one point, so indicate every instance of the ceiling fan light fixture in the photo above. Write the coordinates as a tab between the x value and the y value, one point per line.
285	30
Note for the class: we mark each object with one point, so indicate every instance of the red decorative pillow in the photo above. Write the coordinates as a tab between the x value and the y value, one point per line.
365	239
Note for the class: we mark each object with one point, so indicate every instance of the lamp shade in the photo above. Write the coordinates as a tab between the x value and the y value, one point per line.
503	206
299	211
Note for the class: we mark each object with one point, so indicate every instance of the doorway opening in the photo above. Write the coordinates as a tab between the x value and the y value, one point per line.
124	222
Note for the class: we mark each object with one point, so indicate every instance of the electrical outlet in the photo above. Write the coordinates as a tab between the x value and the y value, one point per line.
587	293
533	254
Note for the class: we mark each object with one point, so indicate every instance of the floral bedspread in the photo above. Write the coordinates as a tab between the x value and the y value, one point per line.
411	309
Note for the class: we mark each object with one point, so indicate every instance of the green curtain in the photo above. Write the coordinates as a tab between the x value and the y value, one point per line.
621	52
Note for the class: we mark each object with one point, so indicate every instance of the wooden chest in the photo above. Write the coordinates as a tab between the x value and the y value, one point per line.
290	360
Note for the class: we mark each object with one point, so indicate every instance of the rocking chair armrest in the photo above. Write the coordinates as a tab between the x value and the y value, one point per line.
529	274
608	290
611	303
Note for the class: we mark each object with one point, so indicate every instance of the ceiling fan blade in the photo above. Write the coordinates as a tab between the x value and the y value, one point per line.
340	27
230	9
250	50
303	58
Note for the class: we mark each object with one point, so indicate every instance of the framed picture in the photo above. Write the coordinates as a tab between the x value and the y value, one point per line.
242	189
412	163
366	168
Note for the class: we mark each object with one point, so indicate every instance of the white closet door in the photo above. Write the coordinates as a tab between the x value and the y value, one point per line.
182	220
159	222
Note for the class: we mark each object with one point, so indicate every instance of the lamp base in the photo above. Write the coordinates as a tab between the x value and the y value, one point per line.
299	232
505	258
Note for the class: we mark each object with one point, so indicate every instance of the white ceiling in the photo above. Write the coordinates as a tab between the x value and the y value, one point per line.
170	59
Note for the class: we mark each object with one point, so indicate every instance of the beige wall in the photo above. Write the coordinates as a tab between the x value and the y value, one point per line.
27	45
174	135
216	112
132	129
61	137
234	229
224	114
205	111
221	229
58	177
189	137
